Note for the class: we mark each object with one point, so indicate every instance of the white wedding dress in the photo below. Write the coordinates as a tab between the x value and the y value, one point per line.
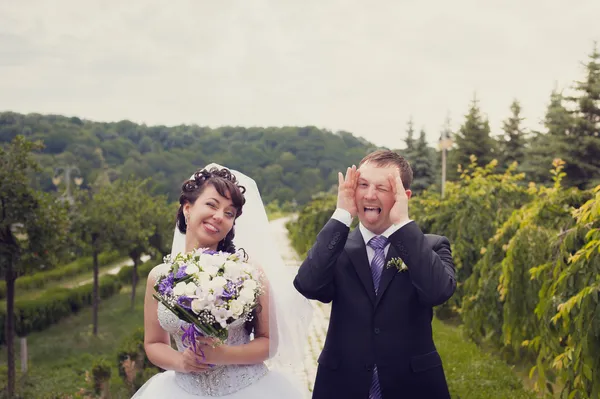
253	381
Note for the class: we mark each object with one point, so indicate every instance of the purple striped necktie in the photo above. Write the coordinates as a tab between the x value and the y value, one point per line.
378	244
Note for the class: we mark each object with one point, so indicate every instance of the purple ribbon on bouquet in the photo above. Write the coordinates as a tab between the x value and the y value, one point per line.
190	334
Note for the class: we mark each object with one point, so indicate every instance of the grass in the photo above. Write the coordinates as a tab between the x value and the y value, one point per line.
67	282
60	356
473	373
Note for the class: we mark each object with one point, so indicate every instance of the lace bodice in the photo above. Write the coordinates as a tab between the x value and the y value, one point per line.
221	380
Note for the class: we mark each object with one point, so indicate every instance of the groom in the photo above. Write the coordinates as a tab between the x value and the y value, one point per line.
379	343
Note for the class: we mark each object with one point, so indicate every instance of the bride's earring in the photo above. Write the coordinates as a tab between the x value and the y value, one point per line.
187	219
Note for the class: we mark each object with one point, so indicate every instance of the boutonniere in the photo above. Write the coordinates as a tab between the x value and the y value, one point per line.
398	264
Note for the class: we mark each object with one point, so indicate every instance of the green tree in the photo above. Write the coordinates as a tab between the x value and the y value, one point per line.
473	138
33	228
545	146
410	138
513	141
145	145
500	295
422	164
583	162
311	219
96	221
134	226
567	344
469	214
162	218
272	156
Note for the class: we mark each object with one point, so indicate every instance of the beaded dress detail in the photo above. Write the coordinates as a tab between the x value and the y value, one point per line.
222	380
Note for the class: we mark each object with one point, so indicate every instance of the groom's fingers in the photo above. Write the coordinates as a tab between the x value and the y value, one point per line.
392	182
340	179
355	182
399	184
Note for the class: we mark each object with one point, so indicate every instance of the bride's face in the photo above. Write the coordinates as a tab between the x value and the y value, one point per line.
211	217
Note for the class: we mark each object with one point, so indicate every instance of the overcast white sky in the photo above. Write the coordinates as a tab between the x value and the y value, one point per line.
353	65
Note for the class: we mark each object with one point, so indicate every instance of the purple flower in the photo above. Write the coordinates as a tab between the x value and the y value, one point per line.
230	291
184	302
181	272
165	287
210	252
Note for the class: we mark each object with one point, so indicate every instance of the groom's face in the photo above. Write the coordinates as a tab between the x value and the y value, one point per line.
374	196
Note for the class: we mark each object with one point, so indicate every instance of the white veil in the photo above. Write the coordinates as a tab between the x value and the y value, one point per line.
289	312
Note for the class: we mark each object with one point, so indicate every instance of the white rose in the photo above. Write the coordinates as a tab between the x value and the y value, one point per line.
179	288
233	269
211	270
191	269
246	295
219	281
221	315
236	307
198	305
207	260
251	271
250	284
203	279
190	289
218	285
221	258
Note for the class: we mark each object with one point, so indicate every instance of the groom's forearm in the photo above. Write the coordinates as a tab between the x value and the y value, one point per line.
432	272
315	278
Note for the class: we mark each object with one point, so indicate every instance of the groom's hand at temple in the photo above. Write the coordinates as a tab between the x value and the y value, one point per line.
399	212
347	189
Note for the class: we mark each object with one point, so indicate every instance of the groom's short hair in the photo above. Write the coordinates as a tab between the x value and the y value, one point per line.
384	158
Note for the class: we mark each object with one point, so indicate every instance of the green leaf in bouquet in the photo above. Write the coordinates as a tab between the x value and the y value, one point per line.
183	279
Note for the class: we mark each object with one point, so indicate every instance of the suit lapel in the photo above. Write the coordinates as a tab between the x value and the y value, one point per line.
355	247
387	274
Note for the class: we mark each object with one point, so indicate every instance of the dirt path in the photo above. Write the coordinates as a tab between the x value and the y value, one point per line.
320	321
114	269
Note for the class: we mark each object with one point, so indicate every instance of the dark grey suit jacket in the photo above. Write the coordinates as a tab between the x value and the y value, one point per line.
391	329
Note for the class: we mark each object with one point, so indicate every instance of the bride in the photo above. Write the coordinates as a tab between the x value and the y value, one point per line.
261	358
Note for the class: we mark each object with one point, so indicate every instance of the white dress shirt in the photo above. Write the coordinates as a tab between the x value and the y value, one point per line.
344	216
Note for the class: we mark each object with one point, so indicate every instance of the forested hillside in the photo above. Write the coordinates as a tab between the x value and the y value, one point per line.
288	163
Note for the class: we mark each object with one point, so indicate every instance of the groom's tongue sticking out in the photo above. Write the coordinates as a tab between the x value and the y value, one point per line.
374	196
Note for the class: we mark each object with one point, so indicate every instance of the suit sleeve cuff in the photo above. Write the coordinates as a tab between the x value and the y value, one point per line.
343	216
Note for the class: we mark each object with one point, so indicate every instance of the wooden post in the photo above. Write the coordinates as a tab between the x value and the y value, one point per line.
23	355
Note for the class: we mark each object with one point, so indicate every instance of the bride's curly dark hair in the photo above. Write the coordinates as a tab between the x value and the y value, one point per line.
226	185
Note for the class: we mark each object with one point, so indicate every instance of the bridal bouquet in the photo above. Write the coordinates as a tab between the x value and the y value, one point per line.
210	290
